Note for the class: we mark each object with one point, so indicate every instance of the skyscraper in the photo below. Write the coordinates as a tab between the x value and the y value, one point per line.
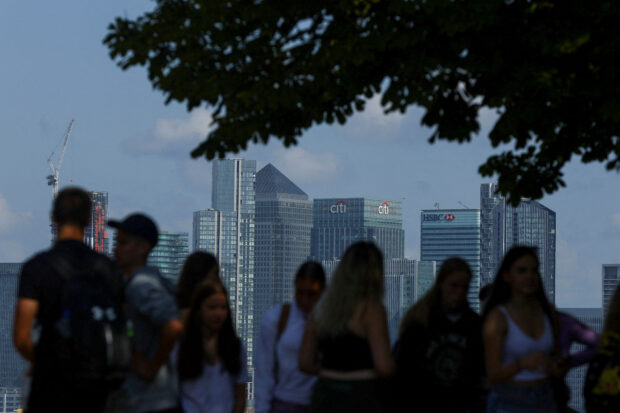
425	277
611	277
339	222
449	233
95	234
504	226
227	231
282	234
12	365
169	254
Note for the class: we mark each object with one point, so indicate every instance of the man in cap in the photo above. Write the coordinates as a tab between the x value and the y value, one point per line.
151	383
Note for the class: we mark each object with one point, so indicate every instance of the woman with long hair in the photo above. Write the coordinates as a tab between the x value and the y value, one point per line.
346	341
439	351
198	267
211	362
520	337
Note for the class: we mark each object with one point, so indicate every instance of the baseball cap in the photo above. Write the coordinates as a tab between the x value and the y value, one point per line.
138	224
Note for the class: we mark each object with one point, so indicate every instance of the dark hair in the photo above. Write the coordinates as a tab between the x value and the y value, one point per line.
198	267
191	350
612	318
72	206
501	290
484	292
420	311
312	271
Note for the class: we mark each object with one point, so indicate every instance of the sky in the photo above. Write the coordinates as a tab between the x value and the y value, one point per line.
126	141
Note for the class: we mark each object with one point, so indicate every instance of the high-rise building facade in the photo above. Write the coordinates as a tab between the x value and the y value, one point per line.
447	233
232	222
611	277
504	226
170	253
282	238
425	272
12	366
96	234
339	222
575	379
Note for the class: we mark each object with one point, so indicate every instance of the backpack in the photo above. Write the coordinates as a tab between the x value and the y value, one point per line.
90	339
602	384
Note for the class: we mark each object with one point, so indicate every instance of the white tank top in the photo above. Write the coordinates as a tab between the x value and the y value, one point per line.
518	344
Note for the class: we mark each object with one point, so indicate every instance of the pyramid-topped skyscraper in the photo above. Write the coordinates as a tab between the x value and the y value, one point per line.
282	238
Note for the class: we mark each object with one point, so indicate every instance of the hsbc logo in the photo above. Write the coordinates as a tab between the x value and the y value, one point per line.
340	207
438	217
384	208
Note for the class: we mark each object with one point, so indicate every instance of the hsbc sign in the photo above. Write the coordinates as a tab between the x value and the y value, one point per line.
438	217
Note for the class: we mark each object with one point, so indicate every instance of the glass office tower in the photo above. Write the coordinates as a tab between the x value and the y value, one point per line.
611	278
504	226
449	233
96	234
12	366
282	234
169	254
339	222
231	221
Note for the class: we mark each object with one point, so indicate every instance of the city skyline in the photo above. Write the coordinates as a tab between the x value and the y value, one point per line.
127	141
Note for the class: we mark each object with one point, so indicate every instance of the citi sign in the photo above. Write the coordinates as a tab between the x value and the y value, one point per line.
384	208
439	217
340	207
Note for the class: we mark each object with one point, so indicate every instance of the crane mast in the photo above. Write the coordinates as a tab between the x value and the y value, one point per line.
52	179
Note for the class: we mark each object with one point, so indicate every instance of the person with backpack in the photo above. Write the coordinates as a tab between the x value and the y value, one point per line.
151	385
74	295
210	359
279	385
439	351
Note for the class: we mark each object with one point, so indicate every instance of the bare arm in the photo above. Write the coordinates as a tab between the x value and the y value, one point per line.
240	397
148	368
494	333
375	323
25	313
308	361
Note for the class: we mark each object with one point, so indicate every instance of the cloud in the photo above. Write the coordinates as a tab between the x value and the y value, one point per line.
303	166
10	219
173	136
578	281
373	123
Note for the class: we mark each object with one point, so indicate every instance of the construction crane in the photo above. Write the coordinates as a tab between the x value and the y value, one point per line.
463	205
52	179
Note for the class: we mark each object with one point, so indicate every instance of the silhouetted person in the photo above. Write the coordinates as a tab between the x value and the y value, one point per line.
603	377
572	331
520	337
346	340
60	382
439	354
151	385
279	385
198	267
211	361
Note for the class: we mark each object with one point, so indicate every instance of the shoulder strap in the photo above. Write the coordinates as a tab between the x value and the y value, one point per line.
284	314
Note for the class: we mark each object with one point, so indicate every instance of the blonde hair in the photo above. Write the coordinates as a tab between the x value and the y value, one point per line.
420	312
358	277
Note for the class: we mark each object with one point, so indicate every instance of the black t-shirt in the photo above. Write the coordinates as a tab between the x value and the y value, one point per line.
40	281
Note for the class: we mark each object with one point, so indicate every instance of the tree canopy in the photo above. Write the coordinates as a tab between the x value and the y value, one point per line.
273	69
